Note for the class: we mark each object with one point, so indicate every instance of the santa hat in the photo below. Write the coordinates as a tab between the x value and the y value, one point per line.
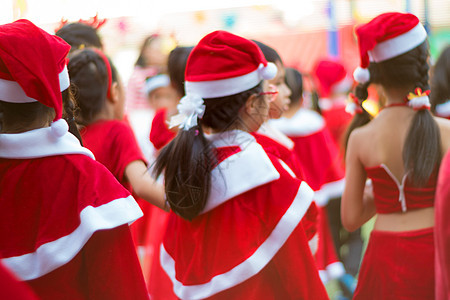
387	36
331	77
224	64
33	68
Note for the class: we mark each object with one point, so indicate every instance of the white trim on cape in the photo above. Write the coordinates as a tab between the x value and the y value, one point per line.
305	122
236	174
252	265
39	143
59	252
268	130
329	191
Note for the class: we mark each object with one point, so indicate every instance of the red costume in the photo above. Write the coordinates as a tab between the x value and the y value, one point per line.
320	162
114	145
247	243
66	220
442	231
160	134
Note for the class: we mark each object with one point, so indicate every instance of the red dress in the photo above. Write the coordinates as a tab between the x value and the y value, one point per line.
65	220
322	168
114	145
398	265
12	288
160	134
247	243
442	232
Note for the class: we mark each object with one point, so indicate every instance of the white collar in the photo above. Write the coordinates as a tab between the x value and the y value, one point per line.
304	122
267	130
443	110
39	143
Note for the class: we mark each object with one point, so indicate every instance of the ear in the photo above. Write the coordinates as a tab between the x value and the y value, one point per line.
252	104
114	98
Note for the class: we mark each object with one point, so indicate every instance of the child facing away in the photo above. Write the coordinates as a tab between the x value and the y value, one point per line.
64	216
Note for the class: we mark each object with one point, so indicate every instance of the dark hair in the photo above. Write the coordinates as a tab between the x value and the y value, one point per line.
77	34
141	59
269	53
177	65
89	76
294	80
422	148
187	161
22	114
440	82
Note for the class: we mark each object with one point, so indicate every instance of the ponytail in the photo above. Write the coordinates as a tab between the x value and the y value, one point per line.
187	161
422	148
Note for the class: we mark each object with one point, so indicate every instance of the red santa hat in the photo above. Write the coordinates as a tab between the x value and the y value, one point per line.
224	64
331	76
387	36
33	68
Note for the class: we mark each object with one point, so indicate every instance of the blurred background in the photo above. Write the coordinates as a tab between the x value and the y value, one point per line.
302	31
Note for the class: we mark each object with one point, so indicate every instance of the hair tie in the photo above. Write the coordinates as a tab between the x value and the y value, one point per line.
190	108
353	105
419	100
108	69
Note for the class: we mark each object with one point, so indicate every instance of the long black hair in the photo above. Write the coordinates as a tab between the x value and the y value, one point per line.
422	148
176	66
89	76
294	81
187	161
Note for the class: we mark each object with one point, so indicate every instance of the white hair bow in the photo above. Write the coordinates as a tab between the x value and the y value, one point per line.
190	108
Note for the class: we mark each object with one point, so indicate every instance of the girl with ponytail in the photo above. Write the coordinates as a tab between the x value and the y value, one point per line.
400	151
234	230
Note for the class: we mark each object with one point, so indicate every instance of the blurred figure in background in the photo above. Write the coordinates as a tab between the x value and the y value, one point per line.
440	85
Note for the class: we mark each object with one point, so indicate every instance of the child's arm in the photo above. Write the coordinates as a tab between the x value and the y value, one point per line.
357	206
144	186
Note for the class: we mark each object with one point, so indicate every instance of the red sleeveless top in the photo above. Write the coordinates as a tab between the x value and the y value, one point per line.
394	196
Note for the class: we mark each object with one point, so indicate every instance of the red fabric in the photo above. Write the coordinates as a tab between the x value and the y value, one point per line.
160	134
386	192
326	251
319	158
382	28
106	268
39	207
327	73
222	55
397	265
442	231
114	145
337	120
220	239
280	151
33	58
53	210
12	288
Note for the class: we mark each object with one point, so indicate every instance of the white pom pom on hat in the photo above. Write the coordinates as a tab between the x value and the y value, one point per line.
361	75
268	72
59	128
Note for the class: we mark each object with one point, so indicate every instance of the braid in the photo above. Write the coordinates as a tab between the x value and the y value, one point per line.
362	118
422	148
89	75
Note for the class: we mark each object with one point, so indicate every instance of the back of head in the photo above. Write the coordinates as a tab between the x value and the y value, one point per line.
394	54
269	53
440	83
294	81
33	68
92	74
79	35
222	72
177	67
